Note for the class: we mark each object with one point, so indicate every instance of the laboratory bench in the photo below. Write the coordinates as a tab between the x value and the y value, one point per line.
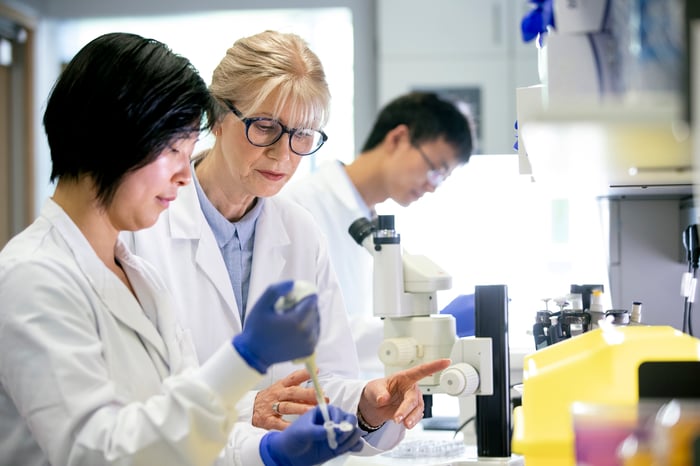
428	448
440	446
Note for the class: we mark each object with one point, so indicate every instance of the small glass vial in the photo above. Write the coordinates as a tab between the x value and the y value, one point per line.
636	314
596	301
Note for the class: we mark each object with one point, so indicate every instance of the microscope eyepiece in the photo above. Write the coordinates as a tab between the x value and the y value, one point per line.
361	229
385	222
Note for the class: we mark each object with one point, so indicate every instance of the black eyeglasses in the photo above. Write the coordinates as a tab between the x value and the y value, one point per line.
263	132
435	175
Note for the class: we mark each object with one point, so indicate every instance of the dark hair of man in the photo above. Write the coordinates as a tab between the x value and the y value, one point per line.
428	118
118	103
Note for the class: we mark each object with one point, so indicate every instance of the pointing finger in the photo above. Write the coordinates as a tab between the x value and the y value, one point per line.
424	370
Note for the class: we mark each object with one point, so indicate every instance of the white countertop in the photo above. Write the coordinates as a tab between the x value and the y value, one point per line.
445	405
443	441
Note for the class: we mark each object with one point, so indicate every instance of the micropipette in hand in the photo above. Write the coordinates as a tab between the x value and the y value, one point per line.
301	290
310	363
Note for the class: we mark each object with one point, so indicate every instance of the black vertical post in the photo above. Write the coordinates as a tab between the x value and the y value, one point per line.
493	412
692	16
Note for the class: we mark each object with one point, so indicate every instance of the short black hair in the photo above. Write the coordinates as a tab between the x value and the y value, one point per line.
118	103
428	117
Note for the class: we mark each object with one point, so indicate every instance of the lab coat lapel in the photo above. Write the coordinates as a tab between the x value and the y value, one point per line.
168	329
188	222
113	293
125	307
271	243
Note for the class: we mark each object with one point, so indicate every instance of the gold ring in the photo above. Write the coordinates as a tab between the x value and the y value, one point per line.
276	408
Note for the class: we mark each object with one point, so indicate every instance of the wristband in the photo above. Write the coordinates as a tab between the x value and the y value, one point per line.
364	425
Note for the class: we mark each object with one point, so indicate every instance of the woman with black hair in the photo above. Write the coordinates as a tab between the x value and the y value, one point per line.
93	368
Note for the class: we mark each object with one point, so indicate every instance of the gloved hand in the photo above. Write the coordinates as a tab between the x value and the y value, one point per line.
305	442
270	336
537	21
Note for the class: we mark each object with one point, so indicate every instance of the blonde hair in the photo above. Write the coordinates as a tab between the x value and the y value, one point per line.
257	66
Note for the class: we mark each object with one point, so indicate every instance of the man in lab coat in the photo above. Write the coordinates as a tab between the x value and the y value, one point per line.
416	142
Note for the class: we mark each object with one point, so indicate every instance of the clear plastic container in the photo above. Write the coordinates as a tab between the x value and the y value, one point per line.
419	448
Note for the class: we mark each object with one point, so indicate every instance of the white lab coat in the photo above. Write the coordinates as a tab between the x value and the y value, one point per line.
287	246
89	374
335	204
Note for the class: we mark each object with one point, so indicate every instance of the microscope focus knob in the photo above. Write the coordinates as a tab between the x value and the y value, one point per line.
459	379
397	351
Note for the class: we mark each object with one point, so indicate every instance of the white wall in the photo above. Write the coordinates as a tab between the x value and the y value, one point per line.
362	11
47	63
455	44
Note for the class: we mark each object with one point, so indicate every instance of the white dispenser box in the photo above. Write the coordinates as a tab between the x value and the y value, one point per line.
580	66
581	16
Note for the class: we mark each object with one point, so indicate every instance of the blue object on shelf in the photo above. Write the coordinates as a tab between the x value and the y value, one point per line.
537	21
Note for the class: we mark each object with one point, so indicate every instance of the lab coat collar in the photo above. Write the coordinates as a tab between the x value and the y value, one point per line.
184	224
343	189
272	242
186	221
157	303
114	294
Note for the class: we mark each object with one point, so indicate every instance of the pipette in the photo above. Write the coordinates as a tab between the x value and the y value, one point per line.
310	363
301	290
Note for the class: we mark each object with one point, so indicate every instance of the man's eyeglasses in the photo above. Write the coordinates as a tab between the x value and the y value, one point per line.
263	132
435	175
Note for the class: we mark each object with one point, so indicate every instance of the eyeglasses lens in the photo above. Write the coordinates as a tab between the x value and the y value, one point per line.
265	132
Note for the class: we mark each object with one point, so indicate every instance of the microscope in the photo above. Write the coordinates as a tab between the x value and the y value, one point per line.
405	298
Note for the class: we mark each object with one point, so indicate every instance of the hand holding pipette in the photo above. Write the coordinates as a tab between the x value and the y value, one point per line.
305	441
302	290
329	425
271	336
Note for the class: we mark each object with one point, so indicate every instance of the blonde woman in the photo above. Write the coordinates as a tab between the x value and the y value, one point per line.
228	236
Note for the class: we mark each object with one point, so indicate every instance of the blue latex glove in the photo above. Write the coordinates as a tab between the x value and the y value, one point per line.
270	336
462	308
537	21
305	443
